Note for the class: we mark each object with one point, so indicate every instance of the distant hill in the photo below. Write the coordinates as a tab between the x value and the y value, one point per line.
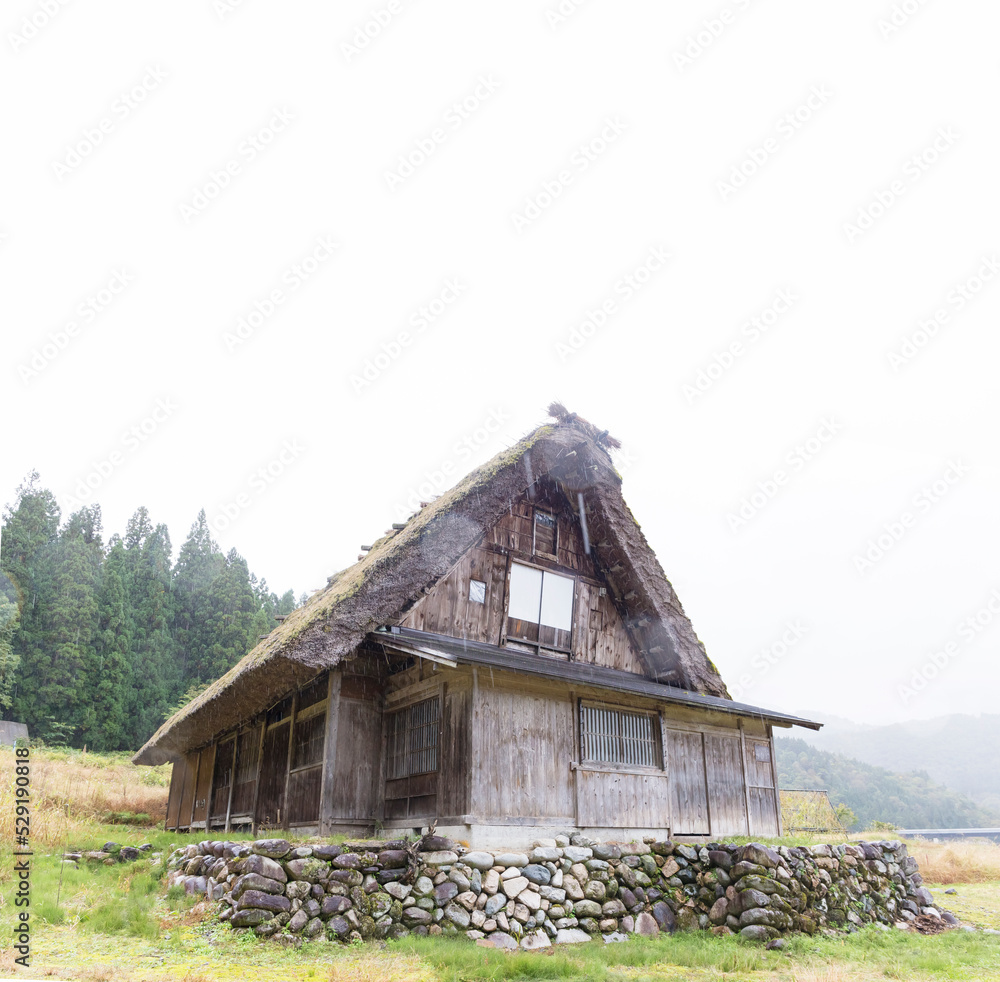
911	800
959	751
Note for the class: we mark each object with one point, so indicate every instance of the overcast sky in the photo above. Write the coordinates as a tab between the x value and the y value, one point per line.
288	262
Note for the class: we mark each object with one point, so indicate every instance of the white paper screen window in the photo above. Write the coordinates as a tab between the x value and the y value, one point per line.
540	598
477	591
525	593
557	601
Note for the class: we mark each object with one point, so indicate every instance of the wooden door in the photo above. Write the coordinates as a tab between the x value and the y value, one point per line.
763	803
689	789
187	789
273	768
724	768
203	787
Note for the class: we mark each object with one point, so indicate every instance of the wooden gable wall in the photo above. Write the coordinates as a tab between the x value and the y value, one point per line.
599	635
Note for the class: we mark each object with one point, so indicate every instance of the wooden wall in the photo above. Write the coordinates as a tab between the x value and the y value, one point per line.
508	753
599	633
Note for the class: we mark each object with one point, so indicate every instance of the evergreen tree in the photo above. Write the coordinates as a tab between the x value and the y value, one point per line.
199	564
155	676
9	658
286	604
55	675
27	546
233	624
104	727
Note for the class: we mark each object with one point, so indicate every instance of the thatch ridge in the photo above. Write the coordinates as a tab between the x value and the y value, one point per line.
335	620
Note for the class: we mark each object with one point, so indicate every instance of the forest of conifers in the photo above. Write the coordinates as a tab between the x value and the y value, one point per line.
101	640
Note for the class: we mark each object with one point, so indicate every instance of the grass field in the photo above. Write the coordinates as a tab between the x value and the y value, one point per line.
120	924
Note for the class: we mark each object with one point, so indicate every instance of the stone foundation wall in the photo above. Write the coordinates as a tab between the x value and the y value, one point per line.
564	890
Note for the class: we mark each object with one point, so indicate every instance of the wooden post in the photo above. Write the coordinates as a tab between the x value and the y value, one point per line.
288	756
232	779
708	789
260	767
746	780
194	791
774	778
473	744
665	748
328	780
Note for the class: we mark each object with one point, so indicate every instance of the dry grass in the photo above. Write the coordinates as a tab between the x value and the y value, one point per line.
72	789
962	861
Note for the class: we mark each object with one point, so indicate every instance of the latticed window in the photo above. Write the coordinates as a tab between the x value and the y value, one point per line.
413	739
615	736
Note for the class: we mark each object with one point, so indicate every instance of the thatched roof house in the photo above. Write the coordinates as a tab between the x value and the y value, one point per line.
510	658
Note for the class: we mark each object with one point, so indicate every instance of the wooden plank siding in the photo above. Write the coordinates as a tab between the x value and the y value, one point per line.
599	635
186	803
174	795
617	799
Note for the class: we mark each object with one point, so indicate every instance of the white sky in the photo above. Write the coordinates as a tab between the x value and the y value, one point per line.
313	131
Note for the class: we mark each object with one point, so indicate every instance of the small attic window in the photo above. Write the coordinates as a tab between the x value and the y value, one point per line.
545	533
477	591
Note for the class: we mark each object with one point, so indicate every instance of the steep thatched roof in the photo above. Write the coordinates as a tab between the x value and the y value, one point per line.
331	625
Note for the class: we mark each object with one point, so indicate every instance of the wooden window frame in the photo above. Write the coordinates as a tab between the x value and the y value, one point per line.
535	551
565	649
390	773
654	742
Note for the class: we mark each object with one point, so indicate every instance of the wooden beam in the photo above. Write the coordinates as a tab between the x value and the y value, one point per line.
328	780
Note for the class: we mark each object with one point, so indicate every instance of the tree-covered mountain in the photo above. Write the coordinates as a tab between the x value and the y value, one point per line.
99	641
909	800
959	751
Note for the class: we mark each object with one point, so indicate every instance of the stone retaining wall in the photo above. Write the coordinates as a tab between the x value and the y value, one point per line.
564	890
